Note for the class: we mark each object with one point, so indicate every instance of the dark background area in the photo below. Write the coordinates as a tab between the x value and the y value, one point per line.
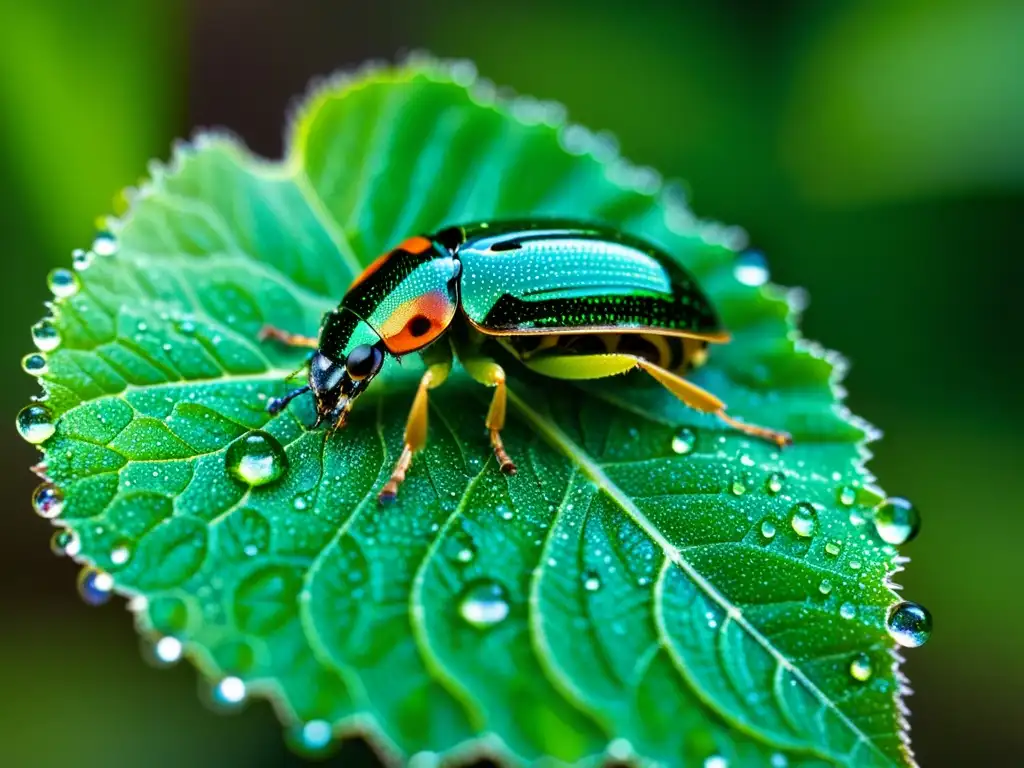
874	150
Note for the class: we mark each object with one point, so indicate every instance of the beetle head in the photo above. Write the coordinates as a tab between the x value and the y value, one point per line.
336	385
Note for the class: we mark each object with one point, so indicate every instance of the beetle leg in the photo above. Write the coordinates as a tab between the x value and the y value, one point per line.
415	430
491	374
290	339
600	366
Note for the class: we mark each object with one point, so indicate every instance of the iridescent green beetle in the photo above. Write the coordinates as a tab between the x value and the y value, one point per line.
567	300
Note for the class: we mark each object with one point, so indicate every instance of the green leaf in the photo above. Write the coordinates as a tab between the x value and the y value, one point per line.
640	586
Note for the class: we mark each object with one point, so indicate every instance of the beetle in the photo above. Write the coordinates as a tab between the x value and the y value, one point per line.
567	299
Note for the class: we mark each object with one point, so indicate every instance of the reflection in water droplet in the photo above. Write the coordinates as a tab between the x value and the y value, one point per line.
48	501
768	529
34	364
256	458
105	244
737	488
847	610
751	268
35	424
909	624
825	587
804	519
484	603
230	690
897	521
683	441
860	667
63	283
168	650
45	336
834	547
591	581
847	496
65	542
716	761
95	586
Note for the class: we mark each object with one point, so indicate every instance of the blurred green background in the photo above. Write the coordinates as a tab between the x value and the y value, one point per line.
874	150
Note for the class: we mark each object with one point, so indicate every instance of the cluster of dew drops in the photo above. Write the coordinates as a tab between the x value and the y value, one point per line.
257	458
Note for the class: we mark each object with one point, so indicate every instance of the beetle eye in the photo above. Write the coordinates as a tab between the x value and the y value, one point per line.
363	361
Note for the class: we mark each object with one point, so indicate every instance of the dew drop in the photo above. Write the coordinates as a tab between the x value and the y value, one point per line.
34	364
737	488
774	483
230	690
834	547
81	259
768	529
855	565
48	501
683	441
314	736
120	554
825	587
484	604
35	424
896	521
465	555
256	458
779	760
105	244
751	268
804	519
168	650
716	761
591	581
45	336
860	667
847	610
95	586
909	624
65	543
847	496
300	503
63	283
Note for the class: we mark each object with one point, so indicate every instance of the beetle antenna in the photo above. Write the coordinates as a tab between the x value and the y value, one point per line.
278	404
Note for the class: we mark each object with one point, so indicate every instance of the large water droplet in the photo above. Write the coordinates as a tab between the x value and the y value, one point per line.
34	364
48	501
45	336
847	496
834	547
230	691
825	586
81	259
716	761
63	283
774	483
65	542
95	586
35	424
751	268
120	554
484	603
168	650
804	519
768	529
897	521
909	624
683	441
737	488
314	736
847	610
860	667
105	244
256	458
591	581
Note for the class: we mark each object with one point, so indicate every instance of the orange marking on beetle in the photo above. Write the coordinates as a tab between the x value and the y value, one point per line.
373	267
417	322
416	245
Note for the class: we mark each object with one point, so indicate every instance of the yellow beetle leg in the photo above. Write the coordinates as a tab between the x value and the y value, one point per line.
415	428
291	339
600	366
490	374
